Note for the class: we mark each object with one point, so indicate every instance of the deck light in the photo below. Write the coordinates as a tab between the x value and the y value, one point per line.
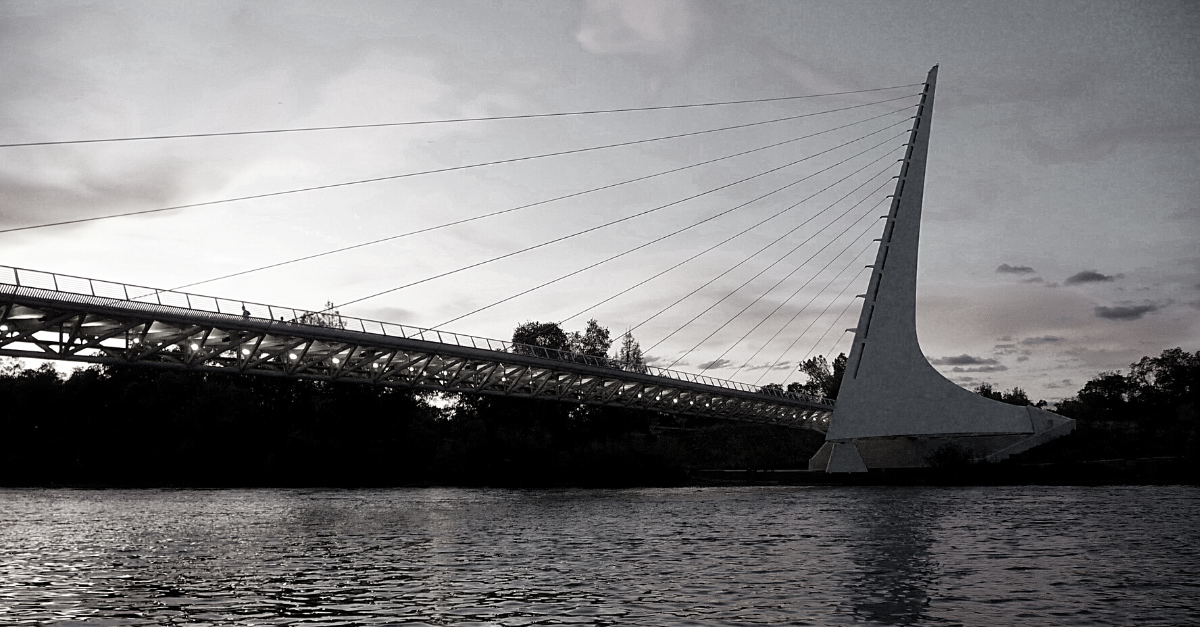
137	340
376	366
336	360
3	327
675	400
195	347
245	351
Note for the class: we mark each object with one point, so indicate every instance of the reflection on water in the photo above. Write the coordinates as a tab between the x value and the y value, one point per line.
732	556
894	572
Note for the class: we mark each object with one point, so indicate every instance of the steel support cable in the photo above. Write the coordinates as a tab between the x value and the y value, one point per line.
607	224
774	263
533	204
831	327
640	246
788	275
835	323
727	240
797	293
441	170
810	324
836	320
490	118
672	234
755	254
804	308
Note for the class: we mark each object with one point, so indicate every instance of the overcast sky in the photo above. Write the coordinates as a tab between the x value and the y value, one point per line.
1060	228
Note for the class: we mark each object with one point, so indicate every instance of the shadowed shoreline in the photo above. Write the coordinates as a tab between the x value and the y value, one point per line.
130	427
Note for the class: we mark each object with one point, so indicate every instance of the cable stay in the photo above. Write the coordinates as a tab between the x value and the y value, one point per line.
306	129
606	224
756	253
777	283
787	300
709	249
810	325
804	308
532	204
778	260
443	170
668	235
827	330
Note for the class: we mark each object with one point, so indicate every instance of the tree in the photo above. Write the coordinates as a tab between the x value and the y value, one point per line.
595	340
1172	376
324	318
823	379
1015	396
630	353
543	334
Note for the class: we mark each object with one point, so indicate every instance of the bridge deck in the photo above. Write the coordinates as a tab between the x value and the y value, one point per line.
52	316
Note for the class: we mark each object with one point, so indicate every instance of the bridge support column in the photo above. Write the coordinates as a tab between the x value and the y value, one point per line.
894	410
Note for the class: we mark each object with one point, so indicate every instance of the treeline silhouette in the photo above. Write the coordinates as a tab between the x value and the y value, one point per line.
1149	412
138	426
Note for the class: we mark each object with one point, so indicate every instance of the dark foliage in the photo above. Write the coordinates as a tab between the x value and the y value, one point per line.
543	334
134	426
1015	396
1150	412
823	379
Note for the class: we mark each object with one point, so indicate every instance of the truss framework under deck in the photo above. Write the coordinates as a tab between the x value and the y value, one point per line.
52	324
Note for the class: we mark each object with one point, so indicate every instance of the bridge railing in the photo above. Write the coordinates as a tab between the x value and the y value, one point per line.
148	298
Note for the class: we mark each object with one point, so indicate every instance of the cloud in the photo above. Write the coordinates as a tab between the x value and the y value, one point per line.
1007	269
1022	358
993	368
783	365
1088	276
620	27
1045	339
962	360
715	364
1036	279
1125	312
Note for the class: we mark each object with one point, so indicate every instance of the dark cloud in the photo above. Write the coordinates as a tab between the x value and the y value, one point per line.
962	360
1125	312
1088	276
1007	269
783	365
716	363
1022	358
990	368
1045	339
1036	279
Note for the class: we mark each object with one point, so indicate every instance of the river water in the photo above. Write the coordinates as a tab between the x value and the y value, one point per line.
683	556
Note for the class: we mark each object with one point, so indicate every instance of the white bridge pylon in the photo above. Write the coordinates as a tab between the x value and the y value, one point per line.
894	410
57	317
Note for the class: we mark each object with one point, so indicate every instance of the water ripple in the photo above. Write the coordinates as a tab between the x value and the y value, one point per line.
712	556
